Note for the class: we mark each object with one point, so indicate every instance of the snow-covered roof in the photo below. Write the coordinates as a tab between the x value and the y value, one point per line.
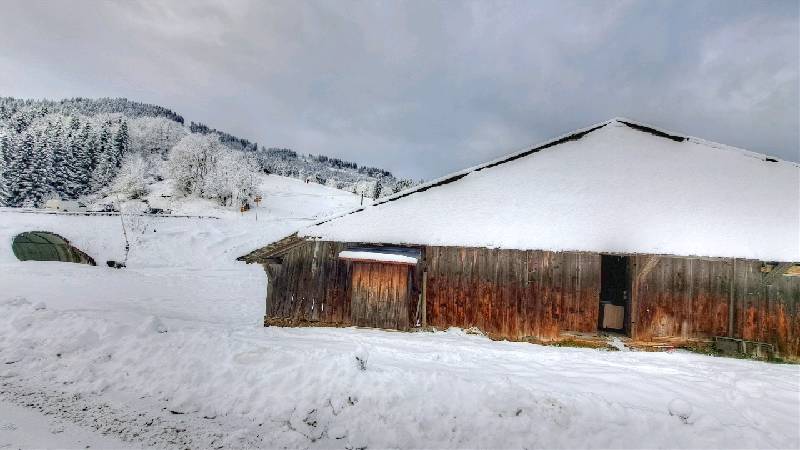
618	186
379	255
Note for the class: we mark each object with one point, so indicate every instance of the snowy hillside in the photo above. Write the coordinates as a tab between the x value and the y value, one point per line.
217	238
170	353
82	148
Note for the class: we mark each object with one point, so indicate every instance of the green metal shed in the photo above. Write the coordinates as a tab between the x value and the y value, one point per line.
45	246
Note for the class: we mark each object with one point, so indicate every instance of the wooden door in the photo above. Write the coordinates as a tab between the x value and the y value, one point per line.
380	295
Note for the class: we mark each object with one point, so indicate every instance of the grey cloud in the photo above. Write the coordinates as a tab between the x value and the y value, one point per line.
422	88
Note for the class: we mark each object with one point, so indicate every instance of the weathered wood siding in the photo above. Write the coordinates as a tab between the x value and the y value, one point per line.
780	321
511	293
380	295
540	294
690	298
680	297
767	309
310	285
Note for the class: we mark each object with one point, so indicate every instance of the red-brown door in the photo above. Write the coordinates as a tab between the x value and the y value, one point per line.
380	295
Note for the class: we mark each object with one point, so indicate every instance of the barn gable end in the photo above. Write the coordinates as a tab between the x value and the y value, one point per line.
618	227
619	187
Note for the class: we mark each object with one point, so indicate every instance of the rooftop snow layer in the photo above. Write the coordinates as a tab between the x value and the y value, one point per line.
378	257
614	187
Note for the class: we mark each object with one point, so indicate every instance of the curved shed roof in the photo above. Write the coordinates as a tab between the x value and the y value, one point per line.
45	246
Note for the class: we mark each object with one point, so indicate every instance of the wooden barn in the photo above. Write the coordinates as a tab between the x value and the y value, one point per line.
618	227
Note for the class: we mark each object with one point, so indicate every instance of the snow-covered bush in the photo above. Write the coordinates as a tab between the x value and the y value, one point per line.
367	188
154	134
202	166
132	178
233	178
191	160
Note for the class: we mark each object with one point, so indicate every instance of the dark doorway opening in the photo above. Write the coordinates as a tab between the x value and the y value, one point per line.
614	294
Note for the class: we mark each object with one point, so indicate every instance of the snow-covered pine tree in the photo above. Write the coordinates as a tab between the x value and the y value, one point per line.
58	175
20	170
20	121
88	154
11	176
403	184
5	158
106	162
103	173
74	176
120	145
104	140
41	168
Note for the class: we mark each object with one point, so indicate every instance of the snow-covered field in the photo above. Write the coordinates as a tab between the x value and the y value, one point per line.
170	352
22	427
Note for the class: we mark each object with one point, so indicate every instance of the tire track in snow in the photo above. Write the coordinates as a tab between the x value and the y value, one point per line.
165	430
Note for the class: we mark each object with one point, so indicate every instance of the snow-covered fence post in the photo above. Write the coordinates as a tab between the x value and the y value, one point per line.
124	231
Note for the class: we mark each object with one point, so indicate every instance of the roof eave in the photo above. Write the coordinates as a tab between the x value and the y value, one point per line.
273	250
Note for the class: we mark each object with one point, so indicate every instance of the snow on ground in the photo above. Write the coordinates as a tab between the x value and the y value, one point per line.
22	427
214	240
234	383
170	352
284	198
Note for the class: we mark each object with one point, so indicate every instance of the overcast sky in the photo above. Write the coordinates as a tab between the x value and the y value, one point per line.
422	88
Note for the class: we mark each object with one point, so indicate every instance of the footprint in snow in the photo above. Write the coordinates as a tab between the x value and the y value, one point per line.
251	357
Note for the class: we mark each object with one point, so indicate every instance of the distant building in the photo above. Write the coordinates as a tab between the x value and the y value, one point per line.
618	227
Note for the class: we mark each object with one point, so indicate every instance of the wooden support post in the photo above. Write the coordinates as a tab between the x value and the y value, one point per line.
732	299
424	299
418	314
